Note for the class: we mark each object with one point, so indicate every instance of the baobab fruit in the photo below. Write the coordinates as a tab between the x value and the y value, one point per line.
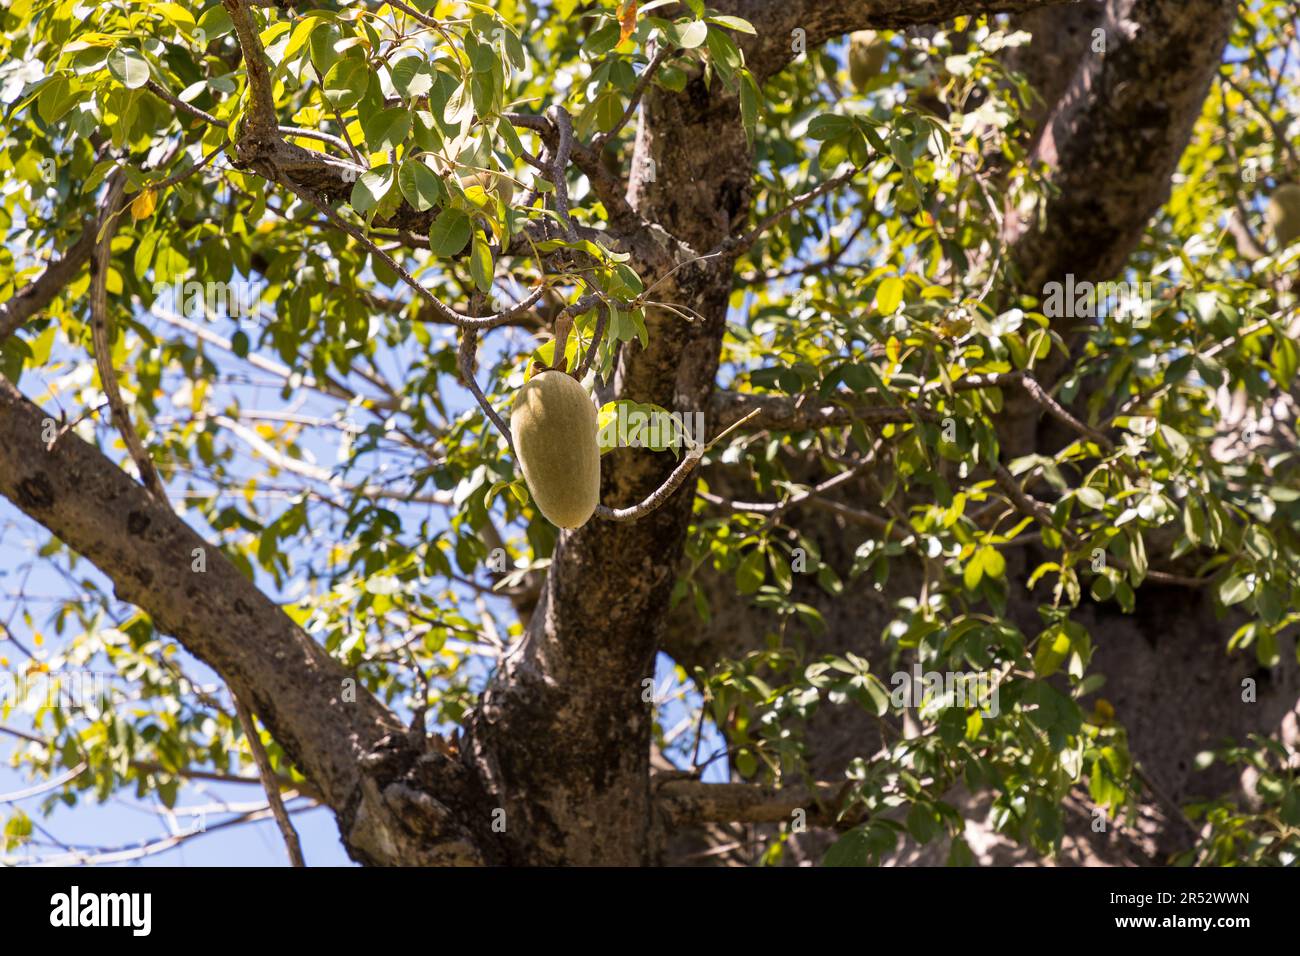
866	57
1284	214
553	426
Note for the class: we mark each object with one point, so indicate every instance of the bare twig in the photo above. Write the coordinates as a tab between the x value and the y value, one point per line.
656	498
600	139
156	88
270	783
559	165
597	334
110	212
468	342
737	244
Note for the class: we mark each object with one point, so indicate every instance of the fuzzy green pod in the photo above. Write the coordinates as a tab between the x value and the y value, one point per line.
866	57
1284	214
553	426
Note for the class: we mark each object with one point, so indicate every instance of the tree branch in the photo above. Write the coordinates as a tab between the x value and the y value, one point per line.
777	22
270	785
340	737
110	213
41	291
685	802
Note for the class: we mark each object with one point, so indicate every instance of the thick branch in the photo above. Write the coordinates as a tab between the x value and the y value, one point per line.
777	22
329	726
41	291
685	802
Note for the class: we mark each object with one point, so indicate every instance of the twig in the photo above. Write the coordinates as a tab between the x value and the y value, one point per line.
270	784
559	164
597	334
743	242
156	88
1036	509
600	139
321	136
448	314
468	342
656	498
99	324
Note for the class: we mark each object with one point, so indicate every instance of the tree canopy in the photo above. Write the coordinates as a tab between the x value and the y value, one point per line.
946	379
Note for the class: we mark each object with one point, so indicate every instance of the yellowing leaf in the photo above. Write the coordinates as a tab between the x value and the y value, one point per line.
626	20
143	205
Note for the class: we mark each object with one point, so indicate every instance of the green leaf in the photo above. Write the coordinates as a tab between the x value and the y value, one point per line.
889	295
449	233
128	65
752	572
692	34
750	99
1234	590
852	849
420	185
480	263
371	187
387	128
412	77
1091	498
1053	648
734	23
346	82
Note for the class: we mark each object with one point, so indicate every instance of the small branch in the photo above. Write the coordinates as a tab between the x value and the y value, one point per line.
101	262
739	244
468	342
1059	412
327	387
446	313
600	139
559	165
261	113
1036	509
270	783
597	334
656	498
321	136
158	90
1280	137
414	14
687	801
